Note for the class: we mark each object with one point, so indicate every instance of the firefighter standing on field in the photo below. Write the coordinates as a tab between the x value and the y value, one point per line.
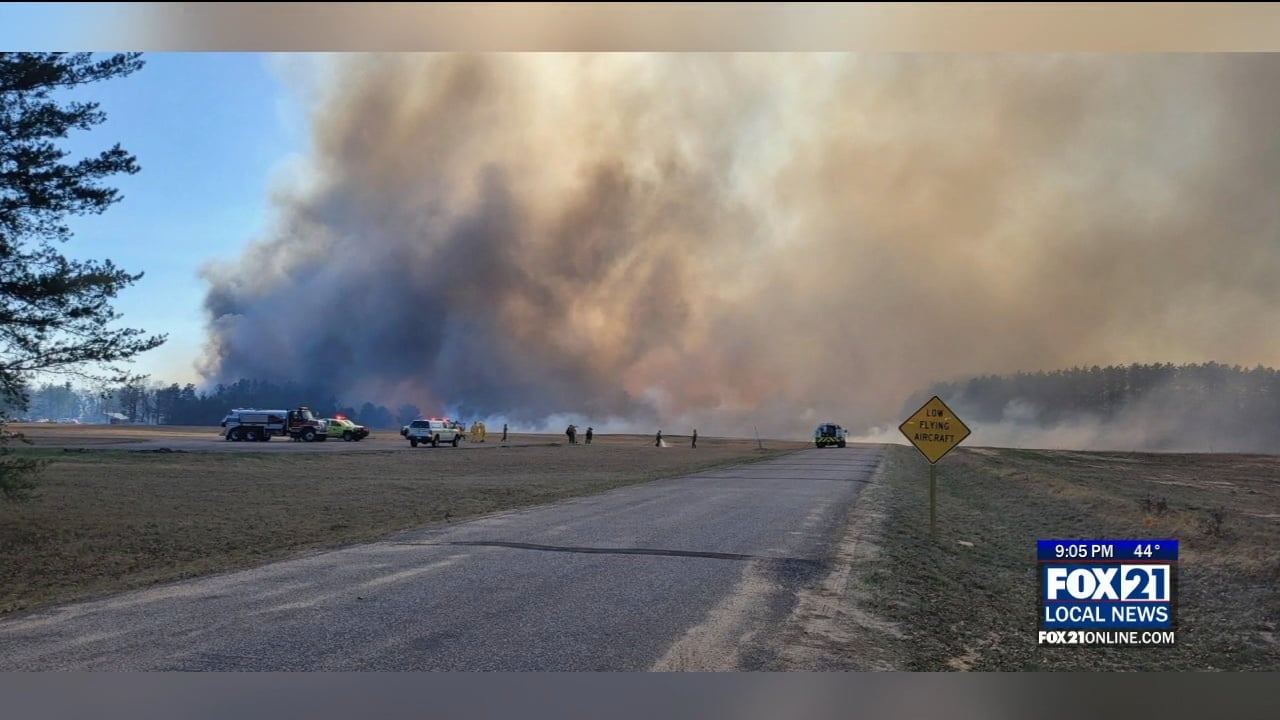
695	437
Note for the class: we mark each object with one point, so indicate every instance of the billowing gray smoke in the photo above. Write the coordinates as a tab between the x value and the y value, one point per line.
727	241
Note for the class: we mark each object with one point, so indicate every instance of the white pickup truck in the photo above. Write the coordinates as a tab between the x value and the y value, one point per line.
432	432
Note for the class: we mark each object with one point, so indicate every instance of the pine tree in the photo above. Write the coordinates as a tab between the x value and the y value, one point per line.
55	312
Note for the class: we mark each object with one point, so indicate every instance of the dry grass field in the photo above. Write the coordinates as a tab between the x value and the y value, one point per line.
110	518
58	434
967	601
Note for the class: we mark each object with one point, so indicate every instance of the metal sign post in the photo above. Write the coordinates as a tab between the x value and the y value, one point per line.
933	499
935	431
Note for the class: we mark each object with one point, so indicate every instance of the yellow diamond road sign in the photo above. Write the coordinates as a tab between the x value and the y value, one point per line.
934	430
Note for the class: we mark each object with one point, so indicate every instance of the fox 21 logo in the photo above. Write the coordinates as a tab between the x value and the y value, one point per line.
1123	583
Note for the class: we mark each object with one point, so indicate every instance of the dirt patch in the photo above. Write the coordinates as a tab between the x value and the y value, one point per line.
109	520
965	607
964	662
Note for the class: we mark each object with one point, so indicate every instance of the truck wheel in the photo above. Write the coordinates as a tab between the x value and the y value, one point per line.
413	442
435	441
347	436
817	444
266	437
235	434
251	435
841	443
455	441
309	435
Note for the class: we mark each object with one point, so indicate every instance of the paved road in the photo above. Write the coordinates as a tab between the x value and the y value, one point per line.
690	573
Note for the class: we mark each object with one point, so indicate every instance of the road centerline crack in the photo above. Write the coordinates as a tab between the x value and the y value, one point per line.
656	552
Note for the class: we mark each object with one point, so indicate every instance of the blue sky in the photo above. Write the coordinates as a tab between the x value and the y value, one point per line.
211	133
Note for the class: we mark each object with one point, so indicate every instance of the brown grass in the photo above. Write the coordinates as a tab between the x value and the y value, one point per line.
110	519
58	434
968	600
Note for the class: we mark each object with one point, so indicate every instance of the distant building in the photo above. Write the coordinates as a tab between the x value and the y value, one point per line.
117	419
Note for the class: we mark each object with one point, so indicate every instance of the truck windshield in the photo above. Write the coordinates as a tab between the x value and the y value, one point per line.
307	415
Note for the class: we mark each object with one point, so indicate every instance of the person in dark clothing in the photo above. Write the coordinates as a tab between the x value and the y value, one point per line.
590	432
504	432
568	433
658	441
695	437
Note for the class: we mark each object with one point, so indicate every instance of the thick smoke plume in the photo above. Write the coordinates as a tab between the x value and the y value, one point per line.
722	242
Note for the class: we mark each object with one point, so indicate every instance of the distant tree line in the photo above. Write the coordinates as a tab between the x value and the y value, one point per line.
173	404
1238	406
1235	407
